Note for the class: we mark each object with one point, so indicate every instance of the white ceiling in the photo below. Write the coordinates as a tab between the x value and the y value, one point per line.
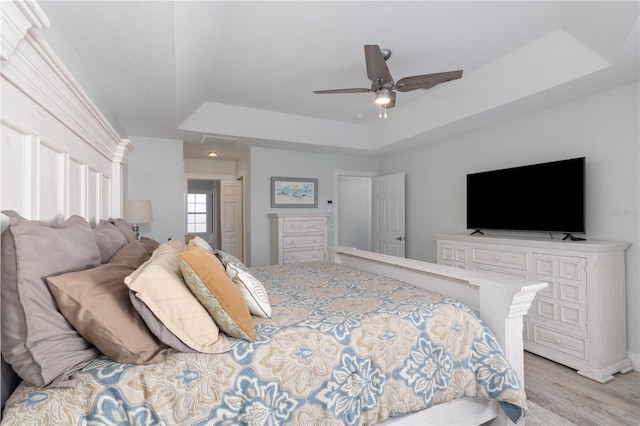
247	70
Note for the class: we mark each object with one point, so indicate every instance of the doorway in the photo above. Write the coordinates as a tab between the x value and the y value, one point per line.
354	212
203	210
214	212
369	212
350	221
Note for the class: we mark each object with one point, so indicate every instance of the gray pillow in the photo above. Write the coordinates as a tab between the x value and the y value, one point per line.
38	342
109	240
124	228
229	259
156	326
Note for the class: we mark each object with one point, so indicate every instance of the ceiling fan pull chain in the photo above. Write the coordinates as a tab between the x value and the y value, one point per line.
380	115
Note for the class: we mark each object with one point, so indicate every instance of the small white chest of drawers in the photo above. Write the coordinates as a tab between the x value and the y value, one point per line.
579	320
298	237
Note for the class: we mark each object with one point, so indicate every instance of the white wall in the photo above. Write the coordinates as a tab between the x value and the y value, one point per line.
209	168
265	163
155	171
69	57
603	127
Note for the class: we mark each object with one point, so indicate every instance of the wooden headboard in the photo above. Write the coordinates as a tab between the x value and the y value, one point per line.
59	156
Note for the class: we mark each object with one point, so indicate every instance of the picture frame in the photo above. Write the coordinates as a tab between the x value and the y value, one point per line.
294	192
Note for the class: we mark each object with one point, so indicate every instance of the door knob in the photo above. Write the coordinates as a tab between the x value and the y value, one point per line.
400	238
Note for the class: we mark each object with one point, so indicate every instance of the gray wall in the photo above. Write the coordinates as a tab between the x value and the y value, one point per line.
155	172
265	163
603	128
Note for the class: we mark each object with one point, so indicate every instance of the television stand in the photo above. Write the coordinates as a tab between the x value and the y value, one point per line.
477	231
580	319
568	236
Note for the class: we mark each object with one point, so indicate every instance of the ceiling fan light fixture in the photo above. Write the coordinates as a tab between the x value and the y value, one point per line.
383	97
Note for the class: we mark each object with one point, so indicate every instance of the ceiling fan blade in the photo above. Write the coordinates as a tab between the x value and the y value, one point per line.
357	90
377	69
426	81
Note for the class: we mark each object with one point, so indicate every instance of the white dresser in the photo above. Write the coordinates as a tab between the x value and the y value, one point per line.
579	320
298	237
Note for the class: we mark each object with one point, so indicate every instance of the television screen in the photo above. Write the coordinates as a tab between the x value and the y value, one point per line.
545	197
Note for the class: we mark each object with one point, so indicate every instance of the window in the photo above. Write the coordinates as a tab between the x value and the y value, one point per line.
196	213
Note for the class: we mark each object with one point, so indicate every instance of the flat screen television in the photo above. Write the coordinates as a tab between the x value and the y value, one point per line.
546	197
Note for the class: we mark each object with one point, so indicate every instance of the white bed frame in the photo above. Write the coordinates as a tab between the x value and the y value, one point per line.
500	301
59	156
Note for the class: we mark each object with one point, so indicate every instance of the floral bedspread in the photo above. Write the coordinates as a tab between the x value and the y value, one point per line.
343	347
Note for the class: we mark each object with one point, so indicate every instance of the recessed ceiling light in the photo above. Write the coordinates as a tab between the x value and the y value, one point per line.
359	115
212	154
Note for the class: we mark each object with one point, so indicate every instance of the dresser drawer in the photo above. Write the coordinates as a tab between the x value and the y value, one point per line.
522	273
560	341
298	237
303	241
453	253
293	226
304	256
500	258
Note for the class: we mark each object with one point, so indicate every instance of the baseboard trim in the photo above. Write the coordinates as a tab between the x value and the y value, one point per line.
635	360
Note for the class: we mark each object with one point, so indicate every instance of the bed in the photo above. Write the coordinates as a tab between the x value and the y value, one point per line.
61	159
327	342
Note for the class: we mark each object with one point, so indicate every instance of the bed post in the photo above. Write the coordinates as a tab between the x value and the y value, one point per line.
500	300
502	310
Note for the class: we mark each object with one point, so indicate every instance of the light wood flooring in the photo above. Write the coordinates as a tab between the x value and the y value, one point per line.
583	401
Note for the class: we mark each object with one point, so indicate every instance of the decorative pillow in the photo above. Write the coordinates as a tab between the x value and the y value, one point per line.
96	302
253	291
206	278
202	243
158	283
124	228
228	259
109	240
32	326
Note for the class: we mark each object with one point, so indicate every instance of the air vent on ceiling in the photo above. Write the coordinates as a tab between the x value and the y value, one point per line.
222	141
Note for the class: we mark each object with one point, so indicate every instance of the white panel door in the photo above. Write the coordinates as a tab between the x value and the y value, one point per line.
231	217
388	214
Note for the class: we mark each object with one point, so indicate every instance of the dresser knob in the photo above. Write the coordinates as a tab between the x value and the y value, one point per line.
557	340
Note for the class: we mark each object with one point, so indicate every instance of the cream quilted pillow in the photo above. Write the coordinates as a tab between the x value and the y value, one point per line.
160	285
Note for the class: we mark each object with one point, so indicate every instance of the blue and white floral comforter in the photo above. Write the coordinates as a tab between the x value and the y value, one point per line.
343	347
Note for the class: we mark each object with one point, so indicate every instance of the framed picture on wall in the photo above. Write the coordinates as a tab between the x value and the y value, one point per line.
294	192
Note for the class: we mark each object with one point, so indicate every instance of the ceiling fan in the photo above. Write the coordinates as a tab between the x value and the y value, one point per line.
382	83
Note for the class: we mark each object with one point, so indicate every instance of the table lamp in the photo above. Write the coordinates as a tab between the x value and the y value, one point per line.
137	212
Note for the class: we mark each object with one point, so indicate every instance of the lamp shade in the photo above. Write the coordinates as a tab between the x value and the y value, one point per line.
138	211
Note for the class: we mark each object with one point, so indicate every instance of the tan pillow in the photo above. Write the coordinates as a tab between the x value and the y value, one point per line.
96	302
149	244
159	284
206	278
32	326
